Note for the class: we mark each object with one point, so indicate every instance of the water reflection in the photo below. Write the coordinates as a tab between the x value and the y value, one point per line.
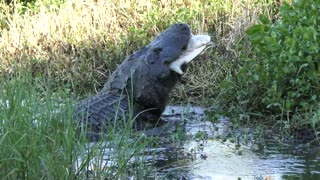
214	158
209	153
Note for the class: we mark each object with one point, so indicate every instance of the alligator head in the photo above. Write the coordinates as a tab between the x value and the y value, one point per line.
148	75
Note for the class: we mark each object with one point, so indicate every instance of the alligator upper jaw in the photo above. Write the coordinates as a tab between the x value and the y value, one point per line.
196	45
169	45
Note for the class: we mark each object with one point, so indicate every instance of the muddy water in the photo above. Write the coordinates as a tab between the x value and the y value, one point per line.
213	151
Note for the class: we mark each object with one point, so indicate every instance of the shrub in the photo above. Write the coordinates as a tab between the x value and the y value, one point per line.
281	75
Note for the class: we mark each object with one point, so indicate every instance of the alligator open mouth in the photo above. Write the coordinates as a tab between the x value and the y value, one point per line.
196	44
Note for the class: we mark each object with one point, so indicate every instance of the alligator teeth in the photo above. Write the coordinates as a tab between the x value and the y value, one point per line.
196	45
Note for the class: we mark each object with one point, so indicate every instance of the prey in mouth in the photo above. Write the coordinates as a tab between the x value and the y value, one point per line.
196	45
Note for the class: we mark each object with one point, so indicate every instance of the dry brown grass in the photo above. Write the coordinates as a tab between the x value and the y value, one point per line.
80	43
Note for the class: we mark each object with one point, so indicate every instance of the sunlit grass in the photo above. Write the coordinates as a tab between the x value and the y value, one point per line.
71	48
83	41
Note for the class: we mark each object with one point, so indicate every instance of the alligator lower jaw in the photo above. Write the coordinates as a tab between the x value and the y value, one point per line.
195	46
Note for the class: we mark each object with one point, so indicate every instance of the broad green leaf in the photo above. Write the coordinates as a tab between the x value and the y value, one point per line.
264	19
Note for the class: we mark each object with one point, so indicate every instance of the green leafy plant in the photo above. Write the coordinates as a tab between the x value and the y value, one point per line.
281	76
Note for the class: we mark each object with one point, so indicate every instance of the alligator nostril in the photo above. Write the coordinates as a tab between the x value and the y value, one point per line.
157	50
184	47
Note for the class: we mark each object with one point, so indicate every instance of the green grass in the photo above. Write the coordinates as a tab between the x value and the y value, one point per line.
78	44
38	139
54	54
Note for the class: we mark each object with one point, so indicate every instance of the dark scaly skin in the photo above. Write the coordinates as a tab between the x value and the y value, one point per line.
144	79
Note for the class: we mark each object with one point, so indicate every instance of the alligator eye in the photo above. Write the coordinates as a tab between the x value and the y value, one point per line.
153	54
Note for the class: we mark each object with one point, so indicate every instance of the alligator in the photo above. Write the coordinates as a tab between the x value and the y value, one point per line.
138	90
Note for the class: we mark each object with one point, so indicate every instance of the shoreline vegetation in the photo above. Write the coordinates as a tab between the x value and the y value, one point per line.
77	44
54	53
